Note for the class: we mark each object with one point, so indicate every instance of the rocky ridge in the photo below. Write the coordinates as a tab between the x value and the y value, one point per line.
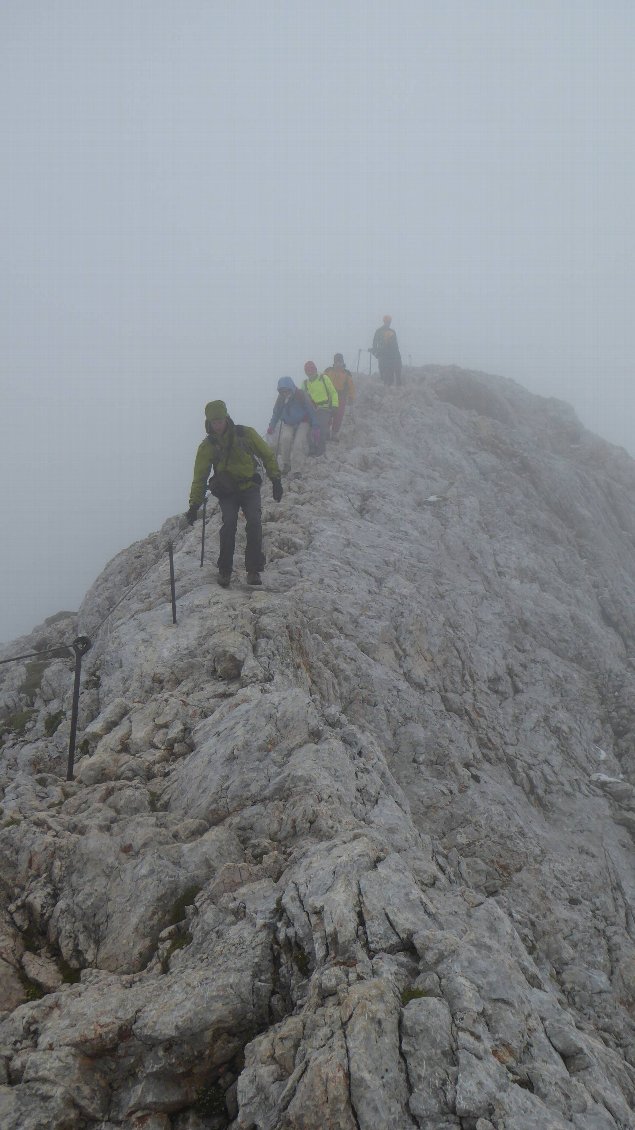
356	850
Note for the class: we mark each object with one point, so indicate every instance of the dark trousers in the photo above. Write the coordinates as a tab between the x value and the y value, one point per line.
338	415
324	424
390	370
249	502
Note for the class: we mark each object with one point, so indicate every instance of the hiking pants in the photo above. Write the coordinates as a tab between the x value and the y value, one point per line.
293	445
390	370
338	414
324	424
249	502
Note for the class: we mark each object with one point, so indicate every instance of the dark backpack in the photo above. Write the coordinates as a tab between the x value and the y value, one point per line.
222	484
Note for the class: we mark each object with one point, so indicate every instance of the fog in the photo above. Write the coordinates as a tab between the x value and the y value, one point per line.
200	196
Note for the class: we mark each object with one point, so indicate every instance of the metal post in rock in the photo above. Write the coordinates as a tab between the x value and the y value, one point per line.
172	586
80	646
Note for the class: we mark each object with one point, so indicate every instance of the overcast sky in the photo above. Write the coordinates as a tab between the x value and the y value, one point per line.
200	195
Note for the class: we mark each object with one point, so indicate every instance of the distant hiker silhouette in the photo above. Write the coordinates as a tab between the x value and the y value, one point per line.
386	349
234	452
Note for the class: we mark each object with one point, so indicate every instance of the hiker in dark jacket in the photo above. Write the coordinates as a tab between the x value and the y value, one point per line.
234	452
297	418
386	349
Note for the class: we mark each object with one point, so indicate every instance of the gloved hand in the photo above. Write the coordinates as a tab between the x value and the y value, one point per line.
269	431
191	514
276	488
315	436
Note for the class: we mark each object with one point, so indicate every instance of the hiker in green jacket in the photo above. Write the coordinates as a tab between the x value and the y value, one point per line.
234	451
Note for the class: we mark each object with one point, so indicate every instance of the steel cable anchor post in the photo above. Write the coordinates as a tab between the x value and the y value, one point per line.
172	584
80	646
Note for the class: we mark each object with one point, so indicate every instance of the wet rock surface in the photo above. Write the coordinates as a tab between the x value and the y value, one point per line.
354	850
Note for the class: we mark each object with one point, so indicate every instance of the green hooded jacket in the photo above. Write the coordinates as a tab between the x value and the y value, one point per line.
235	452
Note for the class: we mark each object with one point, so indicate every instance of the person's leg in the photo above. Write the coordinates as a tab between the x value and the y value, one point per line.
324	422
398	379
229	508
287	432
252	509
311	444
385	371
338	415
299	447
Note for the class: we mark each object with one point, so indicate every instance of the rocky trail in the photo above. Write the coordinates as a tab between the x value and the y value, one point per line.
353	851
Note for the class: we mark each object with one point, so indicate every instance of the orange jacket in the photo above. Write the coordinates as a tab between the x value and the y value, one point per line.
343	381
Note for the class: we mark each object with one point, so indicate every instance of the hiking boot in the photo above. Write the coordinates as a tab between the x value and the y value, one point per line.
224	579
254	579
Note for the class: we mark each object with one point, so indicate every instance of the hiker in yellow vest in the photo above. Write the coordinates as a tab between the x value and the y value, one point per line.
342	379
323	393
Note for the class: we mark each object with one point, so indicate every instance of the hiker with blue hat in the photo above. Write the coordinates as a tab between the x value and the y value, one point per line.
295	413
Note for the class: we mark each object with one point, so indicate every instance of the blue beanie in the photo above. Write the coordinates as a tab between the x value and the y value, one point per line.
286	384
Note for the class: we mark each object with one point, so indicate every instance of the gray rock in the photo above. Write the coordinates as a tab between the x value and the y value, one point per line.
428	1047
42	971
356	850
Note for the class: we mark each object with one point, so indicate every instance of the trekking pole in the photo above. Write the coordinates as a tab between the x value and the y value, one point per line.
172	585
80	646
359	353
203	531
370	362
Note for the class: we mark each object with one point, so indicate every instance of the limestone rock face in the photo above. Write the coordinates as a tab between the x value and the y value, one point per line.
353	851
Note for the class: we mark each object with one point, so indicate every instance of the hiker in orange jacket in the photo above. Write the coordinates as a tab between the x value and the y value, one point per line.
342	379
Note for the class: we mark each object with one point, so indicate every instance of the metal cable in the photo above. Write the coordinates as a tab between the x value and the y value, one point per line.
55	652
